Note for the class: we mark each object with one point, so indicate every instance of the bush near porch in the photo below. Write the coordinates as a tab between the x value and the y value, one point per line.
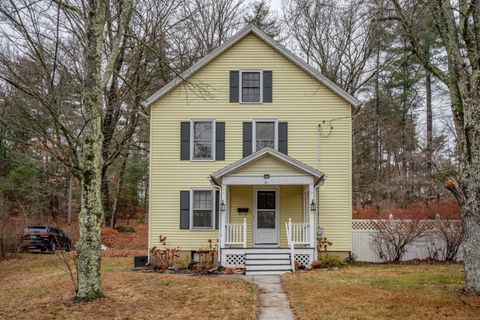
381	292
37	286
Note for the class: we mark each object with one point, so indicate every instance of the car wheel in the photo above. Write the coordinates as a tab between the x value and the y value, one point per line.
53	246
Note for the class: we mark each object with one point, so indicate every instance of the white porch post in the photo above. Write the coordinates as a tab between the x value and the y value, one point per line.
311	197
223	215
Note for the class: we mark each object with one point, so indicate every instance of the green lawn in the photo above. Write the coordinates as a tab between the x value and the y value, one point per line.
381	292
37	286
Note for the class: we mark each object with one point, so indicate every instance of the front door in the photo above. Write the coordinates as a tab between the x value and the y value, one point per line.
266	227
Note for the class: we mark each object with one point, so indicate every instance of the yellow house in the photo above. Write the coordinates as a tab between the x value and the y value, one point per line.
251	146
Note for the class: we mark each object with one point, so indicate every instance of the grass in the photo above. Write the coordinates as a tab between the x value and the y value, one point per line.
37	286
381	292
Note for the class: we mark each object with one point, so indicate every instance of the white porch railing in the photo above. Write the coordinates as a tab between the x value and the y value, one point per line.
236	233
297	233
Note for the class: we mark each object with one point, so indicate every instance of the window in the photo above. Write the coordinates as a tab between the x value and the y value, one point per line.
202	209
265	134
251	84
203	133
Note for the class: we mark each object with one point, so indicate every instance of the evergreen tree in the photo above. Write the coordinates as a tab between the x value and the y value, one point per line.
264	18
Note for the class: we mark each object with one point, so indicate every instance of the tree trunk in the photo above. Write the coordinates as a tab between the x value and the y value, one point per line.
70	197
467	189
429	148
470	185
91	161
106	198
121	174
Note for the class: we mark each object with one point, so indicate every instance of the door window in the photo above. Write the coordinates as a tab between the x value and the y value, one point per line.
266	210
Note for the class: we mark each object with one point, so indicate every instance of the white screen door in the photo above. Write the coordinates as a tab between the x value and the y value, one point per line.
266	218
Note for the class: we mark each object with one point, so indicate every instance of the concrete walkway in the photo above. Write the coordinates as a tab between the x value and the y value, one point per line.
273	300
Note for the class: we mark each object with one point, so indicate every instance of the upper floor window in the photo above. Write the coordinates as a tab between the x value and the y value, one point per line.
265	134
203	141
251	86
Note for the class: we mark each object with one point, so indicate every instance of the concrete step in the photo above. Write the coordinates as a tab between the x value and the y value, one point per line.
265	272
266	256
265	261
267	267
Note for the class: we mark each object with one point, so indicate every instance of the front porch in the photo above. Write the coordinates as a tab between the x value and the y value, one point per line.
267	212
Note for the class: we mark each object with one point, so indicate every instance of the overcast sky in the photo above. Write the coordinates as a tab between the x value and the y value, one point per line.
277	4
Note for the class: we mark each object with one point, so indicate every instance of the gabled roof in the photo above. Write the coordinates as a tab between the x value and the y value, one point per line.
274	44
273	153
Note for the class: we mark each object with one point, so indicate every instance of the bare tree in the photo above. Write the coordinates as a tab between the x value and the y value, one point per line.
57	43
209	23
451	233
393	237
337	37
457	65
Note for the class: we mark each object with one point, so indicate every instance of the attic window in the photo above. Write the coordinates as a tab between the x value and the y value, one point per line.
250	88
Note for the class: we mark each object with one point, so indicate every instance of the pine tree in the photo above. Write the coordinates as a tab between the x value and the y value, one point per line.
264	18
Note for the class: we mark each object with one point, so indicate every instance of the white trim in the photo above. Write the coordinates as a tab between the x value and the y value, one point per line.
240	72
274	44
214	139
277	215
223	214
254	132
273	180
306	205
192	228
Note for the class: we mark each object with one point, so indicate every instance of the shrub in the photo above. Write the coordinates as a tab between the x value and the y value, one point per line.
451	233
316	264
324	244
128	229
352	259
332	261
208	257
392	238
163	258
183	263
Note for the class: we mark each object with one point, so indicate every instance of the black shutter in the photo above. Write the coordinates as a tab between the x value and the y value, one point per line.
184	209
247	139
283	137
217	209
267	86
234	86
185	141
220	141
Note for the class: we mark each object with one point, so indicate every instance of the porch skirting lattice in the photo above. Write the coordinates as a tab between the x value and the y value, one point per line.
236	258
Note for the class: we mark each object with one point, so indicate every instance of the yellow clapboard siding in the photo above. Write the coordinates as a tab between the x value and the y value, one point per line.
267	164
298	99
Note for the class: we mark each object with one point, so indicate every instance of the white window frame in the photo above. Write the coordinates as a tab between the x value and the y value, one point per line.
240	73
254	132
192	142
192	228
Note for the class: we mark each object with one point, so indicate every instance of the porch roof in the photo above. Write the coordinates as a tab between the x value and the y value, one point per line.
303	169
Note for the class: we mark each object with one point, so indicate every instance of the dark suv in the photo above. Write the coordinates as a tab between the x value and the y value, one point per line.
45	238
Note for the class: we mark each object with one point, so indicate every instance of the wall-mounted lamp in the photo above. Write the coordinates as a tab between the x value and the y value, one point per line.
222	206
313	206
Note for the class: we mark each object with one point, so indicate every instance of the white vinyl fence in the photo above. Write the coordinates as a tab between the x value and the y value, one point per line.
363	232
